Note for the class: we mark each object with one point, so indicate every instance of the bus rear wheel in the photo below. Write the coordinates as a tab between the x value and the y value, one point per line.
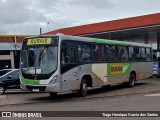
132	80
53	94
83	88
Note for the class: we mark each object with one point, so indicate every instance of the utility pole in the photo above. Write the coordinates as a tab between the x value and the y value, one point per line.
40	31
47	26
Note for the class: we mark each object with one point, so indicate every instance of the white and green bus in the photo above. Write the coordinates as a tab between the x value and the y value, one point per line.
61	63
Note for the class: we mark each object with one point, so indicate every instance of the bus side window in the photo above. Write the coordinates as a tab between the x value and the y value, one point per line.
135	54
142	52
98	52
84	52
122	53
68	54
111	53
148	54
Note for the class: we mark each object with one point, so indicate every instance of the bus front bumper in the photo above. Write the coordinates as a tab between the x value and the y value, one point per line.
56	87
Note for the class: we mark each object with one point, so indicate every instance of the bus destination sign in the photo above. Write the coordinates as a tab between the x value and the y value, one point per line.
38	41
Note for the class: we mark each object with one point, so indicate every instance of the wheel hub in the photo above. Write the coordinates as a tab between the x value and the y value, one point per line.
1	89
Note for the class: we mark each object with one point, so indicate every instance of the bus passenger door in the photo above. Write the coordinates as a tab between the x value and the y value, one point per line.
68	66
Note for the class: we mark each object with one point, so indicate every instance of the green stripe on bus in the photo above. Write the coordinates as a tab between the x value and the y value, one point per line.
30	81
110	42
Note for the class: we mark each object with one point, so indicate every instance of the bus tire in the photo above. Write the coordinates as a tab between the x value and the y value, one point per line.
53	94
132	80
83	88
2	89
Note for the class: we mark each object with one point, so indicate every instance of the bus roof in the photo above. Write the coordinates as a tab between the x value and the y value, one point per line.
95	40
107	41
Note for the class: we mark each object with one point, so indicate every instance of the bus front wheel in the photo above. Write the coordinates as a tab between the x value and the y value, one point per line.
132	80
83	88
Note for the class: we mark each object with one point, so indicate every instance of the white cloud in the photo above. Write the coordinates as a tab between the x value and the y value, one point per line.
27	16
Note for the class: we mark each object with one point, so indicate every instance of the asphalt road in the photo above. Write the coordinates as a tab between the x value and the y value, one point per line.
145	96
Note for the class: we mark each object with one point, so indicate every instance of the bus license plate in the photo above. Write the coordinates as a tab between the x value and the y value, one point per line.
35	90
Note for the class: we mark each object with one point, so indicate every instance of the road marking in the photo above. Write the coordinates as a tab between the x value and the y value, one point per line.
158	94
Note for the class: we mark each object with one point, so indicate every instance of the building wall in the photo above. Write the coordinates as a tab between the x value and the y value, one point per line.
10	46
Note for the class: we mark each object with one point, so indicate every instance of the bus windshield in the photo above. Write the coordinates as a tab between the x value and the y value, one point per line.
39	59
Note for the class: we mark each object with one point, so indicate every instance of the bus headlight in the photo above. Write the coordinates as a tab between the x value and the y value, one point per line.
53	80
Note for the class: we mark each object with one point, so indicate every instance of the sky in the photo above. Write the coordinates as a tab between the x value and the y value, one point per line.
28	16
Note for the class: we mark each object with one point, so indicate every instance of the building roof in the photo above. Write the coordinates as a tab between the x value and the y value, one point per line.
133	22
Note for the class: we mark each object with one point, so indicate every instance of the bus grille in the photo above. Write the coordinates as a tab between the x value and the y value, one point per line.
41	88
